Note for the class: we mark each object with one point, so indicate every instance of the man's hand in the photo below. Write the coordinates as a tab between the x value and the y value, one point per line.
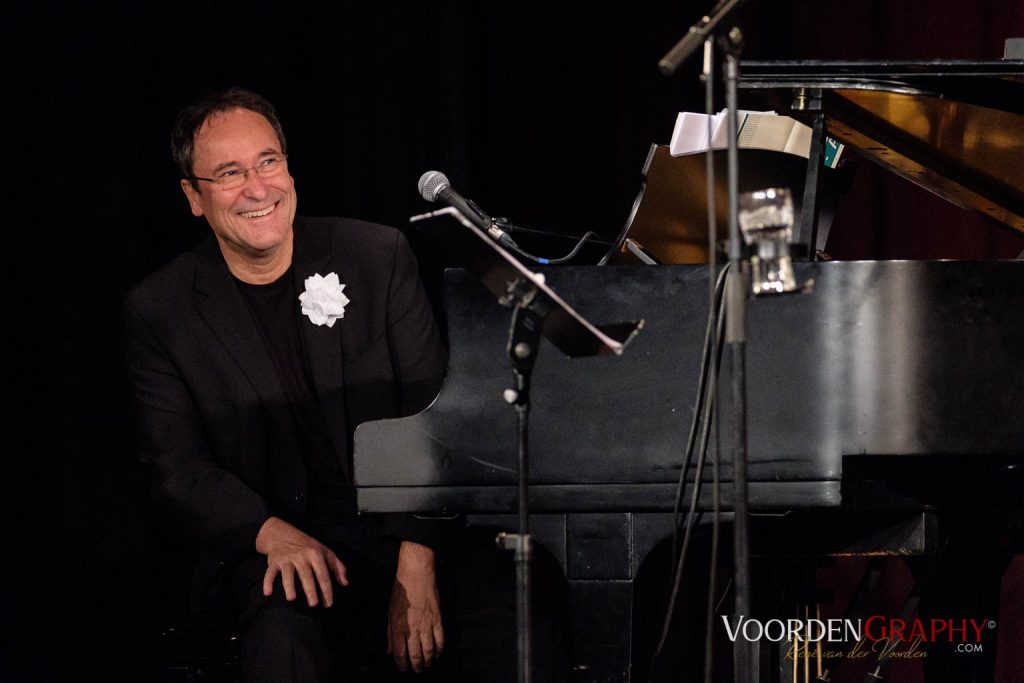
290	552
415	634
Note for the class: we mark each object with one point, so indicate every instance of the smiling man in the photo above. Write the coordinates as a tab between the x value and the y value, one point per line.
250	197
247	399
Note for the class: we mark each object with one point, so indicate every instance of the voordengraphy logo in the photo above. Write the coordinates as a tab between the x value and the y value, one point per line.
873	629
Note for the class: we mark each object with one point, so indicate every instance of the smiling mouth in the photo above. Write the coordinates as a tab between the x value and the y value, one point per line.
258	212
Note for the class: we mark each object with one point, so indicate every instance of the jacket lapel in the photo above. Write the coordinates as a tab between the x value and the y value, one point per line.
222	307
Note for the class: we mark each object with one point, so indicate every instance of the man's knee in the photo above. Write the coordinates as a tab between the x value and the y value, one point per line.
282	639
284	642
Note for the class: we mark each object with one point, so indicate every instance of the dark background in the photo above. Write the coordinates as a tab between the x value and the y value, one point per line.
541	111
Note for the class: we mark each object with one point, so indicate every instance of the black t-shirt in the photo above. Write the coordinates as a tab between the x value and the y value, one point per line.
275	308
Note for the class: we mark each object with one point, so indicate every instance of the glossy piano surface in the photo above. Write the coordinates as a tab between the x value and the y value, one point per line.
893	358
954	127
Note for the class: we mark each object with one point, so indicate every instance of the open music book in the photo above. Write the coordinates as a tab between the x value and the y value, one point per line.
756	130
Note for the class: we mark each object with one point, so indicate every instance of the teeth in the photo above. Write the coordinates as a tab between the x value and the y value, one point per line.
257	214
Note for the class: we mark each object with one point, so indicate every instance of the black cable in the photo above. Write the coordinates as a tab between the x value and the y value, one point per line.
715	320
692	519
538	259
709	621
703	414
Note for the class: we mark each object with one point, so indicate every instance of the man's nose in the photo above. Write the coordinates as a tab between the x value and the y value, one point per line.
255	185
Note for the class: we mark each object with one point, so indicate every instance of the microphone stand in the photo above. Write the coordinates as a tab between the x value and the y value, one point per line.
523	340
731	42
744	661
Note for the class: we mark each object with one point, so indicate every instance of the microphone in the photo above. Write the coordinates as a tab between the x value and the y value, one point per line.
434	186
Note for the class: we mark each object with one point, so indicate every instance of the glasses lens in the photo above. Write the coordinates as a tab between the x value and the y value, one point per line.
270	166
230	179
236	177
230	182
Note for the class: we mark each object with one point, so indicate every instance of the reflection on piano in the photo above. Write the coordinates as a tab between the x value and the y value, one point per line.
891	387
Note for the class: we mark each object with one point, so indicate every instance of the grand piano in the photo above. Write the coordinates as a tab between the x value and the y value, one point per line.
884	392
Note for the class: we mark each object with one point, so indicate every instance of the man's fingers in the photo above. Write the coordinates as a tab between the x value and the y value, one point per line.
268	580
323	579
427	647
290	551
415	649
308	581
438	639
288	581
397	648
432	641
338	568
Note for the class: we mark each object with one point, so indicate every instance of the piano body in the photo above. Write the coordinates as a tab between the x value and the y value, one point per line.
890	388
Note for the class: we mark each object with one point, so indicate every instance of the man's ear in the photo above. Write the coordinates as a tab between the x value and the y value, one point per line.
192	194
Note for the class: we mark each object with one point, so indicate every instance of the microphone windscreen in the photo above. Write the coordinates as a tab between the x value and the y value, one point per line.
431	183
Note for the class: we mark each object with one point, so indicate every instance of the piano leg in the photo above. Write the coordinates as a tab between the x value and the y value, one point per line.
600	554
601	645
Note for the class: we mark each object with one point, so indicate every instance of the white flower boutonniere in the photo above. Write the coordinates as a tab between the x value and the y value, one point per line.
324	300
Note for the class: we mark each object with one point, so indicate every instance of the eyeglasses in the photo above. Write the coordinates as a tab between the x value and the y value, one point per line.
234	178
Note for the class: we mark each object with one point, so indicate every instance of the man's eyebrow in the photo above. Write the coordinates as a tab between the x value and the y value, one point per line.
230	164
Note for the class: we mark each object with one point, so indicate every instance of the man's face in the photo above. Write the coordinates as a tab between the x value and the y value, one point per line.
254	220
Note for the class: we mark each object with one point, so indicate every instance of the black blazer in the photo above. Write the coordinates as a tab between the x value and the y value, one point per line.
211	414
